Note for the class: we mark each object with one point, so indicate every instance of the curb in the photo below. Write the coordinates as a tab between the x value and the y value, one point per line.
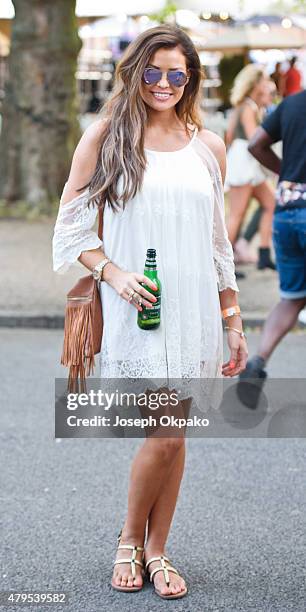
37	321
32	321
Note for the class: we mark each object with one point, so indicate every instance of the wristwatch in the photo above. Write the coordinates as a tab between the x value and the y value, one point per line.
231	311
98	269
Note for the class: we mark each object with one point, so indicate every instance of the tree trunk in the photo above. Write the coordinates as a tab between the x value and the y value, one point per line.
40	127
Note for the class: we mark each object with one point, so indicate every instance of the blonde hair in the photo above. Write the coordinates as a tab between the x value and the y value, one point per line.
245	81
121	152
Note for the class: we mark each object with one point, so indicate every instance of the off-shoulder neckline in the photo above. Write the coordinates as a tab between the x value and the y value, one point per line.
76	197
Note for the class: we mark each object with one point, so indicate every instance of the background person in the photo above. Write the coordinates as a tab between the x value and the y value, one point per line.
287	123
243	254
292	82
245	177
94	103
278	77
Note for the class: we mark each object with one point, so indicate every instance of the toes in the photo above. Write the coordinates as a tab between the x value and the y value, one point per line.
130	581
138	581
173	589
124	579
117	579
176	586
165	590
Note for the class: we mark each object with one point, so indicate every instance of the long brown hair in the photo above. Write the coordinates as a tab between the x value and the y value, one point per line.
121	152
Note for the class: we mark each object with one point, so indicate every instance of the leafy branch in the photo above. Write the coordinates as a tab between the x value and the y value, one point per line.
165	13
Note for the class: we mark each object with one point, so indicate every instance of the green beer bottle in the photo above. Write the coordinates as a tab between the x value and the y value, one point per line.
149	318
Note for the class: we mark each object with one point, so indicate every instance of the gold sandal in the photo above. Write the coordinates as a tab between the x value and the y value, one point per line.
133	561
166	569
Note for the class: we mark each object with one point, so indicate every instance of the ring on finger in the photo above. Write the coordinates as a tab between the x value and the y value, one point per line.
136	297
131	294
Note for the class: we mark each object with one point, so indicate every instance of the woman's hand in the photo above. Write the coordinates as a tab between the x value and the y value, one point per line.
239	354
125	283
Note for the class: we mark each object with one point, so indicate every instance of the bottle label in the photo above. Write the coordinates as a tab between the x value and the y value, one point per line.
151	313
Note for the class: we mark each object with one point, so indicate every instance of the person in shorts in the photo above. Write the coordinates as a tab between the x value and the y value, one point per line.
287	124
245	177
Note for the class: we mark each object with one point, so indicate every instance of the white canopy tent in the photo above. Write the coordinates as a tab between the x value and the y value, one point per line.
109	26
96	8
235	8
242	38
6	9
87	8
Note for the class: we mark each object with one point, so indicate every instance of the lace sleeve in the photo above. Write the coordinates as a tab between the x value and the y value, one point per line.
73	233
222	248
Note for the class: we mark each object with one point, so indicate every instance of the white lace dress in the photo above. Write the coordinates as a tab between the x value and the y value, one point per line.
180	213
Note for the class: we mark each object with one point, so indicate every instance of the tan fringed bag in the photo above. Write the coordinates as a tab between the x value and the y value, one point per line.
83	328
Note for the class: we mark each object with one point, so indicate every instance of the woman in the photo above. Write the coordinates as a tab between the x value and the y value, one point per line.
246	178
241	247
151	164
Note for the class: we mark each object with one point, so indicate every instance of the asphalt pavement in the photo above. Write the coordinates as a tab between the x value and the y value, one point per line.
238	534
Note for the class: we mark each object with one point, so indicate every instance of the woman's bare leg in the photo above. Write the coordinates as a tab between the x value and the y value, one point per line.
279	322
266	198
148	471
159	523
239	198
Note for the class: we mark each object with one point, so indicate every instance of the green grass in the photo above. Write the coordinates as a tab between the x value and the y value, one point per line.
21	209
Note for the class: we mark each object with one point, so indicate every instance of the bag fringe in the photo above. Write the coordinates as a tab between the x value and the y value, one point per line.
78	347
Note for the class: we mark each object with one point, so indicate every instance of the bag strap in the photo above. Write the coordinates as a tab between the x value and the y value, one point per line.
100	226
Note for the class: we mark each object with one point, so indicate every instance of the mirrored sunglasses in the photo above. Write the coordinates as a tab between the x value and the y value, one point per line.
176	78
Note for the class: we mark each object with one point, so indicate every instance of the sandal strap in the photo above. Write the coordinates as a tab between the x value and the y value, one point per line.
119	535
130	547
132	562
156	559
163	568
127	561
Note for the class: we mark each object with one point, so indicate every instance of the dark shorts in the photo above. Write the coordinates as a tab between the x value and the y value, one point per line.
289	240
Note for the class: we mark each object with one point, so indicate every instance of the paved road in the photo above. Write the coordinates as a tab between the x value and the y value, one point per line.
239	528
